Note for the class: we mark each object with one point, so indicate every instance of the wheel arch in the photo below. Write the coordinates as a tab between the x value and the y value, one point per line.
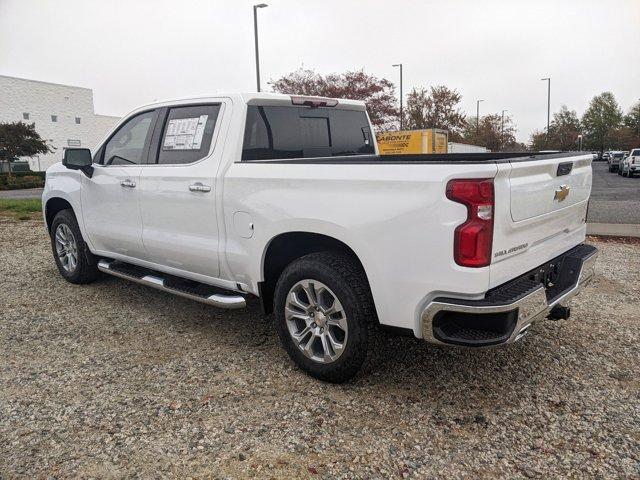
53	206
286	247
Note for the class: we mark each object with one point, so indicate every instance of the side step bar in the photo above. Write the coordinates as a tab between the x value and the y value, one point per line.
184	288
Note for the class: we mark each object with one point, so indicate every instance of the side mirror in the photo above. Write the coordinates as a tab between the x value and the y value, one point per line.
78	159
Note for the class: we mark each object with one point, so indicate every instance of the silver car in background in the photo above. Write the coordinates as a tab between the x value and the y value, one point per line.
614	160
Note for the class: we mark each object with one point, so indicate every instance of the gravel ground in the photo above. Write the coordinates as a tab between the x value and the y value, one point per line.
118	380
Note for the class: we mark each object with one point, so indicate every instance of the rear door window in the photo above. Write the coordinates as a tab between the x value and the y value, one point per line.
274	132
187	134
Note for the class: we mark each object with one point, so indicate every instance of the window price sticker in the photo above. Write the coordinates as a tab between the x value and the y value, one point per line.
185	133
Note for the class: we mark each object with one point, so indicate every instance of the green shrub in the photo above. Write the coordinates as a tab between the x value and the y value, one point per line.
18	180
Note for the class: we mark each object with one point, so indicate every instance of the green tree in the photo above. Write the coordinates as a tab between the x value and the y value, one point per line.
601	121
378	93
490	133
563	132
19	139
632	127
437	107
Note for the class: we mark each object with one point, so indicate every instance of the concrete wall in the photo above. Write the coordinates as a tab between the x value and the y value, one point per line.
41	100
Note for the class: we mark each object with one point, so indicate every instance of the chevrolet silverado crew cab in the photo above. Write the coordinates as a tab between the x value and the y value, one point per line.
285	198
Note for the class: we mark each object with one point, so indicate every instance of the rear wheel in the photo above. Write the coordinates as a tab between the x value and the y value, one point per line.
325	315
74	260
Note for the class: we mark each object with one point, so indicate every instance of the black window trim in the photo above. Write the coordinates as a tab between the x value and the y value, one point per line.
145	148
163	116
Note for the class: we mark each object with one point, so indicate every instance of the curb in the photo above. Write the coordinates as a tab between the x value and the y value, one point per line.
613	229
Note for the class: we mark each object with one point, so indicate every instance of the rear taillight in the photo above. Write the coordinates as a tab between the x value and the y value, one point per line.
474	238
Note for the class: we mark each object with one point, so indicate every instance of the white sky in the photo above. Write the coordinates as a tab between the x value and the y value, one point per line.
136	51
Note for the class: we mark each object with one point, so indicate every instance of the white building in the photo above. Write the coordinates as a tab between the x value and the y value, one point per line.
63	115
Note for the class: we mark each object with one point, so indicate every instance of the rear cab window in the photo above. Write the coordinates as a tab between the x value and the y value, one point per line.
281	132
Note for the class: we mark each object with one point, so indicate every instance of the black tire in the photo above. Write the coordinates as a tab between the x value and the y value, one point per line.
346	279
86	269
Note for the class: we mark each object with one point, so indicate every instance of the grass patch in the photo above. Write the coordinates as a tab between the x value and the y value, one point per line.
21	209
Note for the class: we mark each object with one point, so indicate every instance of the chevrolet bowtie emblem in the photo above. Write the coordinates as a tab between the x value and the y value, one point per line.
561	193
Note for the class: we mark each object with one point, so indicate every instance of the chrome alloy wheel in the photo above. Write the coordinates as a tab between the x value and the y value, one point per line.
316	321
66	248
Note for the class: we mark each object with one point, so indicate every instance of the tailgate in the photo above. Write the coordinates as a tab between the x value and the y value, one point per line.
543	186
540	212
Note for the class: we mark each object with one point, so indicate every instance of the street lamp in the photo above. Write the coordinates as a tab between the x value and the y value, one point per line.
579	143
548	79
255	31
502	130
401	117
478	117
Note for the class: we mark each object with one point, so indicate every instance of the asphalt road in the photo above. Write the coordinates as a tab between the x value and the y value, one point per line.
21	194
614	198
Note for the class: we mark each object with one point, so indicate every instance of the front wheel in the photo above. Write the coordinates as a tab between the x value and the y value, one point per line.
75	262
325	315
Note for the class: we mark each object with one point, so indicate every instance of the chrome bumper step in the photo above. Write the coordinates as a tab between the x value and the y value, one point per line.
199	292
507	312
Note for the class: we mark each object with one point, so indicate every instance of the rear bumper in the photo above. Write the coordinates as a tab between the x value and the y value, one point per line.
507	311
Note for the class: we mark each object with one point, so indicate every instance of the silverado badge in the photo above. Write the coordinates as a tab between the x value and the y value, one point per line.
561	193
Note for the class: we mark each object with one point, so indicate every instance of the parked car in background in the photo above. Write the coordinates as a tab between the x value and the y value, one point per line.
286	198
630	165
621	160
614	160
605	156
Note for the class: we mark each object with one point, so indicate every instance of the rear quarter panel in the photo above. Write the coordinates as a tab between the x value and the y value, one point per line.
396	218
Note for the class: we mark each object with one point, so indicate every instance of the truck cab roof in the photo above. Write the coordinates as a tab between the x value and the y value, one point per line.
260	98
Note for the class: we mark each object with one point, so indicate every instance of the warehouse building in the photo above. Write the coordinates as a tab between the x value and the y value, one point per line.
63	115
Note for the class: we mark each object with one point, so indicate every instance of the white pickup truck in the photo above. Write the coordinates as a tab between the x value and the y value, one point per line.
286	198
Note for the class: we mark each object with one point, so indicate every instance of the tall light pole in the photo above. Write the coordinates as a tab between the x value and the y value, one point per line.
548	79
502	130
478	117
255	32
401	116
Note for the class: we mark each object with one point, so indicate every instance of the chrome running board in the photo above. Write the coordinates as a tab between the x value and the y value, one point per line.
202	293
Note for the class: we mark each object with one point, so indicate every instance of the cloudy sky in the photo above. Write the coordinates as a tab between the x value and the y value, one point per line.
136	51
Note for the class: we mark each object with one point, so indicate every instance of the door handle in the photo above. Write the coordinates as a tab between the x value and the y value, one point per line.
127	183
199	187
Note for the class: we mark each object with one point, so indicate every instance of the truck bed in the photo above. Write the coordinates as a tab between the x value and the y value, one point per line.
427	158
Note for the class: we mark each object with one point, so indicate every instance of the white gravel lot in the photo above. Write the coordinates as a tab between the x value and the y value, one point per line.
117	380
